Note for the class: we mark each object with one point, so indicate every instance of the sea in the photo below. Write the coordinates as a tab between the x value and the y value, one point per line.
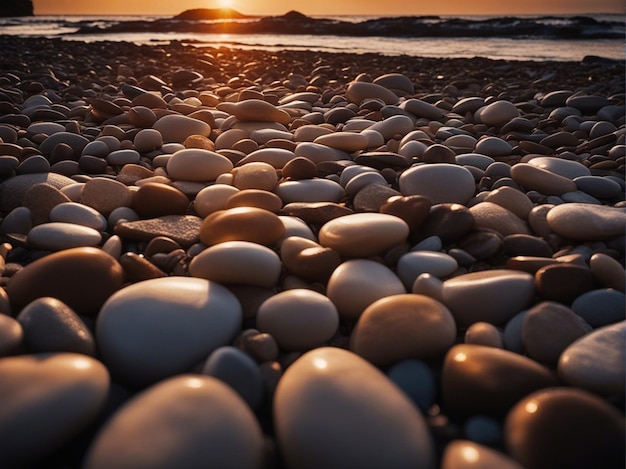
534	46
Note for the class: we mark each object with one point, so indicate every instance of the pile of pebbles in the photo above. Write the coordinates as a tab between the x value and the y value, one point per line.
226	258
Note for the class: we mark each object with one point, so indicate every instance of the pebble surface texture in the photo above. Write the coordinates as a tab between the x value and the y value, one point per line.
291	260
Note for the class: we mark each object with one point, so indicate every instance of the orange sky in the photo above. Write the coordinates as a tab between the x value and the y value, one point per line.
331	7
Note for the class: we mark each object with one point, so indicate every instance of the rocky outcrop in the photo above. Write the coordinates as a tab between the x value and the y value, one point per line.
16	8
206	14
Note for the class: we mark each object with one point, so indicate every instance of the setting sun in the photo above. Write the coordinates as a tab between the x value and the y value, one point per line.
226	3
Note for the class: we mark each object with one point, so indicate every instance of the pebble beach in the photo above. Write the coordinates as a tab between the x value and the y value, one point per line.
214	257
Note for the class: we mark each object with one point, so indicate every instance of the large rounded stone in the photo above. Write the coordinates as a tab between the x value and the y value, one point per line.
229	263
596	361
355	416
82	278
197	164
251	224
157	328
47	399
438	182
404	326
586	222
477	379
492	296
176	127
298	319
363	234
551	429
190	421
358	283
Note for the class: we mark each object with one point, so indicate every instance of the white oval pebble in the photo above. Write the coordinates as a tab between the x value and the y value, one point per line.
189	421
355	416
231	262
157	328
57	236
298	319
79	214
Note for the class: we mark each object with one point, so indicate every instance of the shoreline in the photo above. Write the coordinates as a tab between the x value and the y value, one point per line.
274	210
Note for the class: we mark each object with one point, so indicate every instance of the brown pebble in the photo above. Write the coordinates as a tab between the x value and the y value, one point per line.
137	268
105	195
154	199
548	329
563	282
609	272
316	213
413	209
255	198
82	278
478	379
300	168
242	224
565	428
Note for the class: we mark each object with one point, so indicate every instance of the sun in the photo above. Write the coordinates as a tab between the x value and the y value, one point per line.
226	3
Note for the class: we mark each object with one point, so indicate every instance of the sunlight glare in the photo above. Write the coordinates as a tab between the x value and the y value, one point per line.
226	3
320	363
470	454
531	407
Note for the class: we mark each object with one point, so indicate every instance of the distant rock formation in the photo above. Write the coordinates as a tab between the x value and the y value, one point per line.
198	14
16	8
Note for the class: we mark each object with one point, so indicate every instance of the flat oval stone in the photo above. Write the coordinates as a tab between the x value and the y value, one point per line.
563	167
186	320
421	108
600	307
155	199
56	236
298	319
413	264
197	421
310	190
176	127
512	199
597	186
508	291
68	389
493	146
242	224
229	263
357	283
83	278
255	198
438	182
346	141
363	234
255	110
563	282
497	218
75	141
197	164
595	362
498	113
492	380
400	327
587	222
49	325
78	214
548	329
541	429
358	91
256	175
147	140
413	209
382	428
541	180
465	454
105	195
